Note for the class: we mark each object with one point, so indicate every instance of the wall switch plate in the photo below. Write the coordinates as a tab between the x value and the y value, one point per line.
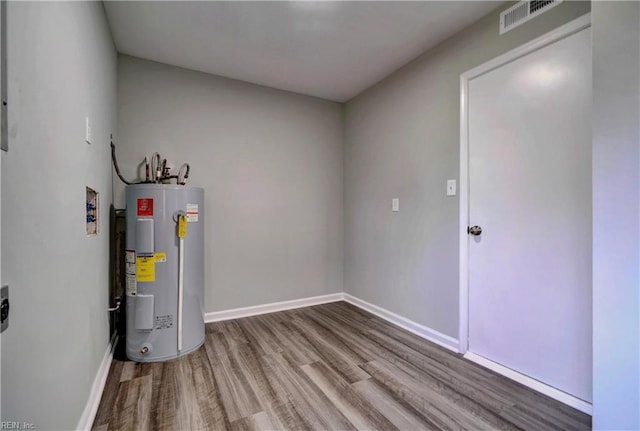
87	137
451	187
395	204
4	308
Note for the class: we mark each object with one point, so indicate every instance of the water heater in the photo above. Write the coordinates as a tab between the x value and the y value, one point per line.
164	271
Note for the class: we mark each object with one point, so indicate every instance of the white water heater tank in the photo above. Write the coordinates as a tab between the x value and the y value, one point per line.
164	271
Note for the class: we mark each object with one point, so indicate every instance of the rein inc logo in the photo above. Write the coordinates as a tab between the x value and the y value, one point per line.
15	425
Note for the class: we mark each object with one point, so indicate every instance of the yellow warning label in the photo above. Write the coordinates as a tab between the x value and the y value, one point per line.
182	226
145	268
160	257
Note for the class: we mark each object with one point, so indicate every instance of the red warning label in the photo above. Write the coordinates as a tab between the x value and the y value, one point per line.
145	207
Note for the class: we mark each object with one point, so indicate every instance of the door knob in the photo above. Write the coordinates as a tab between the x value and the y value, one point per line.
474	230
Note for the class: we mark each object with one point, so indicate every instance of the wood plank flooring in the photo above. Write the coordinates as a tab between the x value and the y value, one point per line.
327	367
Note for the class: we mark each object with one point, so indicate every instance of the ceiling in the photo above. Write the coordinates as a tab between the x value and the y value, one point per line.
328	49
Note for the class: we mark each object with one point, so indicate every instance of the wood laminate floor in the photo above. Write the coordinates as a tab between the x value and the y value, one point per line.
327	367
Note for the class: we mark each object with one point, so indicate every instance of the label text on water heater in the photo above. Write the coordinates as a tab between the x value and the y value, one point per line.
145	207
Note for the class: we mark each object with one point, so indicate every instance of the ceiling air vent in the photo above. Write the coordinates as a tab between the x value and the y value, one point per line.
523	11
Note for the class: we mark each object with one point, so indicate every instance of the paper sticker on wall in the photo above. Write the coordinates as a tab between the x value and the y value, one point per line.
160	257
192	213
145	268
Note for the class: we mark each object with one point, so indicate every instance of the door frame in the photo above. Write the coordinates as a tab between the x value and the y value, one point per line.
559	33
553	36
4	127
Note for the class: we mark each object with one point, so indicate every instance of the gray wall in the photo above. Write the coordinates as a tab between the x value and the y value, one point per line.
271	166
62	67
616	217
402	140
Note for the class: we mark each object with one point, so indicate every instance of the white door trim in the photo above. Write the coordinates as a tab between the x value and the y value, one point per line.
561	32
534	384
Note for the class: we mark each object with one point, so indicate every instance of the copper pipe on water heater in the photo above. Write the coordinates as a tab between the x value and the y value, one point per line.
182	180
158	168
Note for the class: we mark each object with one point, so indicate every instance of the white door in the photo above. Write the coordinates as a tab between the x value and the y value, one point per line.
529	142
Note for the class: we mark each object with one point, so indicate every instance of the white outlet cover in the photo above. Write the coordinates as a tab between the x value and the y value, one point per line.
451	187
395	204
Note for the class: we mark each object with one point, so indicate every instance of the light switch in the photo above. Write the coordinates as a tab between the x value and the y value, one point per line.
451	187
395	204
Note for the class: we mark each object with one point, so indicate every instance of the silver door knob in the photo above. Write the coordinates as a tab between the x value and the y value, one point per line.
474	230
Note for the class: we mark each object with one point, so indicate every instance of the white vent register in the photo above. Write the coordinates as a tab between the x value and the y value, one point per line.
523	11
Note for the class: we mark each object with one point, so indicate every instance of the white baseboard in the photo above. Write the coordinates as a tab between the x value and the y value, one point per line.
534	384
411	326
422	331
255	310
90	410
89	413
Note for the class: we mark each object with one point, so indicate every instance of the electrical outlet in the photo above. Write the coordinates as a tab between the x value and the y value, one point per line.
395	204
